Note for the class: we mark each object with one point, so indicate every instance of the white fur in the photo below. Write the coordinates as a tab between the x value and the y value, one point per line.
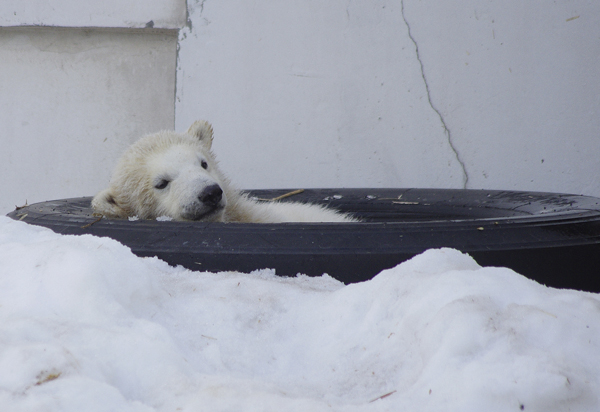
186	162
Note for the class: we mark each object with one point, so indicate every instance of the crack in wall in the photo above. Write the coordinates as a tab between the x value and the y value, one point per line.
446	129
182	35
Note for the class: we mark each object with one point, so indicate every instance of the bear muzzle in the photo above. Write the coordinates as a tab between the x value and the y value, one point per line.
211	196
209	206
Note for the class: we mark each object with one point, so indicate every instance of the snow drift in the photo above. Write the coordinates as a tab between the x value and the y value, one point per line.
86	325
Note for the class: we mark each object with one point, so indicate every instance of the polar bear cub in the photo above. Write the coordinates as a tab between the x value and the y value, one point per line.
176	175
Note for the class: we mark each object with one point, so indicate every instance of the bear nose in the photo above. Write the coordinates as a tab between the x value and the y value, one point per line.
211	195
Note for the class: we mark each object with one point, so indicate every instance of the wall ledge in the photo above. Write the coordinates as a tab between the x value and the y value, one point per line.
130	14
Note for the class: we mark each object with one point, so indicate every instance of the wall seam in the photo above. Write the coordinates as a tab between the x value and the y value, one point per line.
444	125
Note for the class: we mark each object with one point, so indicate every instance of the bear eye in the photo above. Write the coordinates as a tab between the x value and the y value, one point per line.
162	183
204	164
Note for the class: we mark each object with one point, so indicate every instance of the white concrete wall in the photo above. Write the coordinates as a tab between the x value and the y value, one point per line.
72	100
79	83
502	94
164	14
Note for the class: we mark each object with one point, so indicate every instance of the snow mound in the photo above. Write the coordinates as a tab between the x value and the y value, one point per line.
87	326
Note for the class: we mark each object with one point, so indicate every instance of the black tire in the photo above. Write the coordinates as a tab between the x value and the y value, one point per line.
551	238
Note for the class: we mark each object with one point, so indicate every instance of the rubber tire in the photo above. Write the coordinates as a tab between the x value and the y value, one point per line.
548	237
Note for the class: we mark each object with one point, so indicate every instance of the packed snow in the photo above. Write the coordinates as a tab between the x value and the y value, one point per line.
85	325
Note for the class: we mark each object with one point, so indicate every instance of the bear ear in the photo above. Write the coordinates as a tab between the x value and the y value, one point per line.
203	131
104	203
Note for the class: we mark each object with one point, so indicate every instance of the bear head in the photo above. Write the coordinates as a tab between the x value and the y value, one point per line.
167	174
